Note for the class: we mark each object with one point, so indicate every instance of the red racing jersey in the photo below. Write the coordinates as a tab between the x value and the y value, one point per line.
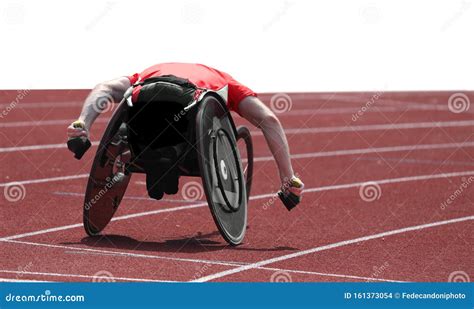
200	75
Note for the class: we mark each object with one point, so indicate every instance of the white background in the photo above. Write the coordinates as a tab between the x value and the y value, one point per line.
292	45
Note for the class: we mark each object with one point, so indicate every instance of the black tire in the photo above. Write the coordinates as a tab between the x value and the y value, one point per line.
244	134
97	215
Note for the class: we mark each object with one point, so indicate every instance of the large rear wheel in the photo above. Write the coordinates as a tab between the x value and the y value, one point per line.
221	169
108	179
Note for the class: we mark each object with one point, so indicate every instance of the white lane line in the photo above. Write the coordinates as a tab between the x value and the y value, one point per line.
380	182
329	246
355	109
200	261
294	112
42	180
328	274
419	161
79	276
376	127
34	105
398	107
20	280
391	180
38	147
125	217
137	198
330	129
344	152
50	230
16	124
255	197
123	254
383	101
312	130
234	263
311	154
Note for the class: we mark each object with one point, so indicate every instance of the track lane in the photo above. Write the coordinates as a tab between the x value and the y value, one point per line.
174	236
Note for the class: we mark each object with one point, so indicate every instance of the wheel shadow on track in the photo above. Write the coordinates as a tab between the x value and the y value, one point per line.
194	244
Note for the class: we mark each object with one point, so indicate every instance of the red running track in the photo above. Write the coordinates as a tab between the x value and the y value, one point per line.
411	147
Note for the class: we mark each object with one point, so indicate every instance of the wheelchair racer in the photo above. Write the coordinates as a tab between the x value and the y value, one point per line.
241	99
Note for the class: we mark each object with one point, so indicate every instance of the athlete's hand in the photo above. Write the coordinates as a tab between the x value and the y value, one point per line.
77	129
291	192
78	139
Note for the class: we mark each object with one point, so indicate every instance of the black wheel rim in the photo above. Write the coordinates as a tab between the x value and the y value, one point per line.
226	162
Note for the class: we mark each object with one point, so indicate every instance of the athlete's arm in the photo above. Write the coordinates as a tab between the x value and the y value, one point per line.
103	94
255	111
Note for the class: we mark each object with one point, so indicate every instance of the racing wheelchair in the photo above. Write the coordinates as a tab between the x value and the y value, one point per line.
173	129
